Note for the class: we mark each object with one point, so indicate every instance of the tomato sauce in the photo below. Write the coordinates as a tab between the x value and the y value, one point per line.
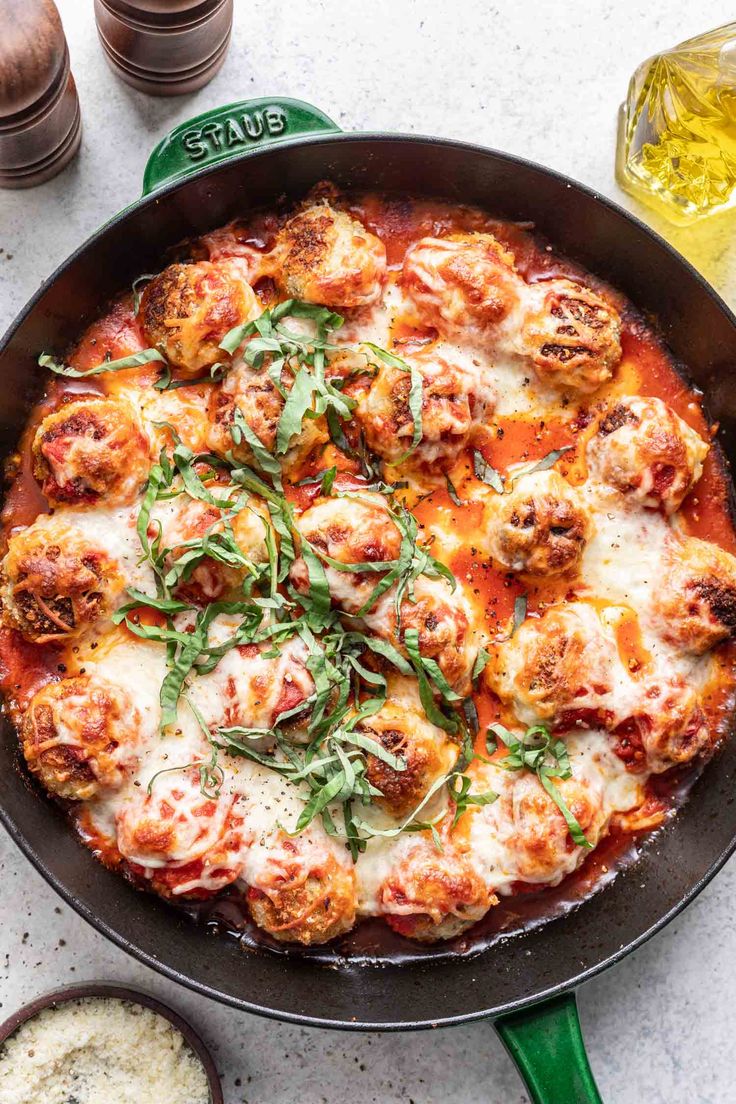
646	368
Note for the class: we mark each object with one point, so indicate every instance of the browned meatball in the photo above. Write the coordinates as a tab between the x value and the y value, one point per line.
441	624
461	281
558	666
310	899
644	450
351	531
695	604
431	895
669	729
251	687
79	736
540	527
325	256
184	522
181	841
425	750
90	451
187	309
455	401
253	393
56	582
527	819
572	335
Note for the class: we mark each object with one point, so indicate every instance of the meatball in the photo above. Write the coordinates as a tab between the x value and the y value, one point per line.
431	895
325	256
186	522
560	666
644	450
695	606
351	531
303	894
185	408
56	582
91	451
426	751
79	737
571	335
669	729
250	687
540	527
187	309
253	393
460	281
455	401
441	624
529	824
182	842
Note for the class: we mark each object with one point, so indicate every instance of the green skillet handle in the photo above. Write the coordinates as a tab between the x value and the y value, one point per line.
228	131
547	1046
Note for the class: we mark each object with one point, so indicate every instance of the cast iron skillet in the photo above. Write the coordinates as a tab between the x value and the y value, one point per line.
206	172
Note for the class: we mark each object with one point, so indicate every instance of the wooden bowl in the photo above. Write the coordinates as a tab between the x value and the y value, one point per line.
133	996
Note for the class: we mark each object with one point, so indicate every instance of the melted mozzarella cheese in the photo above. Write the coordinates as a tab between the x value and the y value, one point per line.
494	849
252	689
623	557
620	566
622	563
113	530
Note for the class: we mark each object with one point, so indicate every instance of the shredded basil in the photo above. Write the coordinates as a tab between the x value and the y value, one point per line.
486	472
145	278
454	497
463	798
481	662
145	356
544	464
545	755
166	382
520	608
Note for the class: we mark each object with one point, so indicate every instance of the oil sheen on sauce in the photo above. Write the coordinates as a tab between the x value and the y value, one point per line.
646	368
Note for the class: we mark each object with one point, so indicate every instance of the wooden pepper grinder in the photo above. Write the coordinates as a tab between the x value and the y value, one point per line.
165	47
40	121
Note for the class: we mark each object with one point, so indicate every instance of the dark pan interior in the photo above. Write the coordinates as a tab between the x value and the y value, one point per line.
701	333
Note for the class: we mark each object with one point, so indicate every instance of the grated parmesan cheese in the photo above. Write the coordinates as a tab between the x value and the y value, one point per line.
97	1050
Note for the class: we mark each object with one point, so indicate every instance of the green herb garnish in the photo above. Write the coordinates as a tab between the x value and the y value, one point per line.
545	755
454	497
544	464
145	356
486	472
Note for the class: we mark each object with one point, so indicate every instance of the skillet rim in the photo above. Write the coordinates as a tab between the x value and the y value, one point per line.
16	833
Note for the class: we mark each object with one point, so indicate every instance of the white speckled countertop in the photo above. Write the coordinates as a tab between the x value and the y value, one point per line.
534	77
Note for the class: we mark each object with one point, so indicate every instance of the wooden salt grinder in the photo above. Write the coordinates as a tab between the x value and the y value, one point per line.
165	47
40	121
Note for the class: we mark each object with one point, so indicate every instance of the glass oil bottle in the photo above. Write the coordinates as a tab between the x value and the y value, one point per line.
676	146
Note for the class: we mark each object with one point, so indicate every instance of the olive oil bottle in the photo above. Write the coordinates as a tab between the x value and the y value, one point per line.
676	146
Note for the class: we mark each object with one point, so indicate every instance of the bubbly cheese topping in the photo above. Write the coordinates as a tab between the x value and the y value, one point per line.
588	657
114	530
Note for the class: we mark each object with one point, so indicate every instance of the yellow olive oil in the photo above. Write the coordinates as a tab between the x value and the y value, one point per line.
677	129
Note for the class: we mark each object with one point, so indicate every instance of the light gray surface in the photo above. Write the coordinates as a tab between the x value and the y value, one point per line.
541	79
